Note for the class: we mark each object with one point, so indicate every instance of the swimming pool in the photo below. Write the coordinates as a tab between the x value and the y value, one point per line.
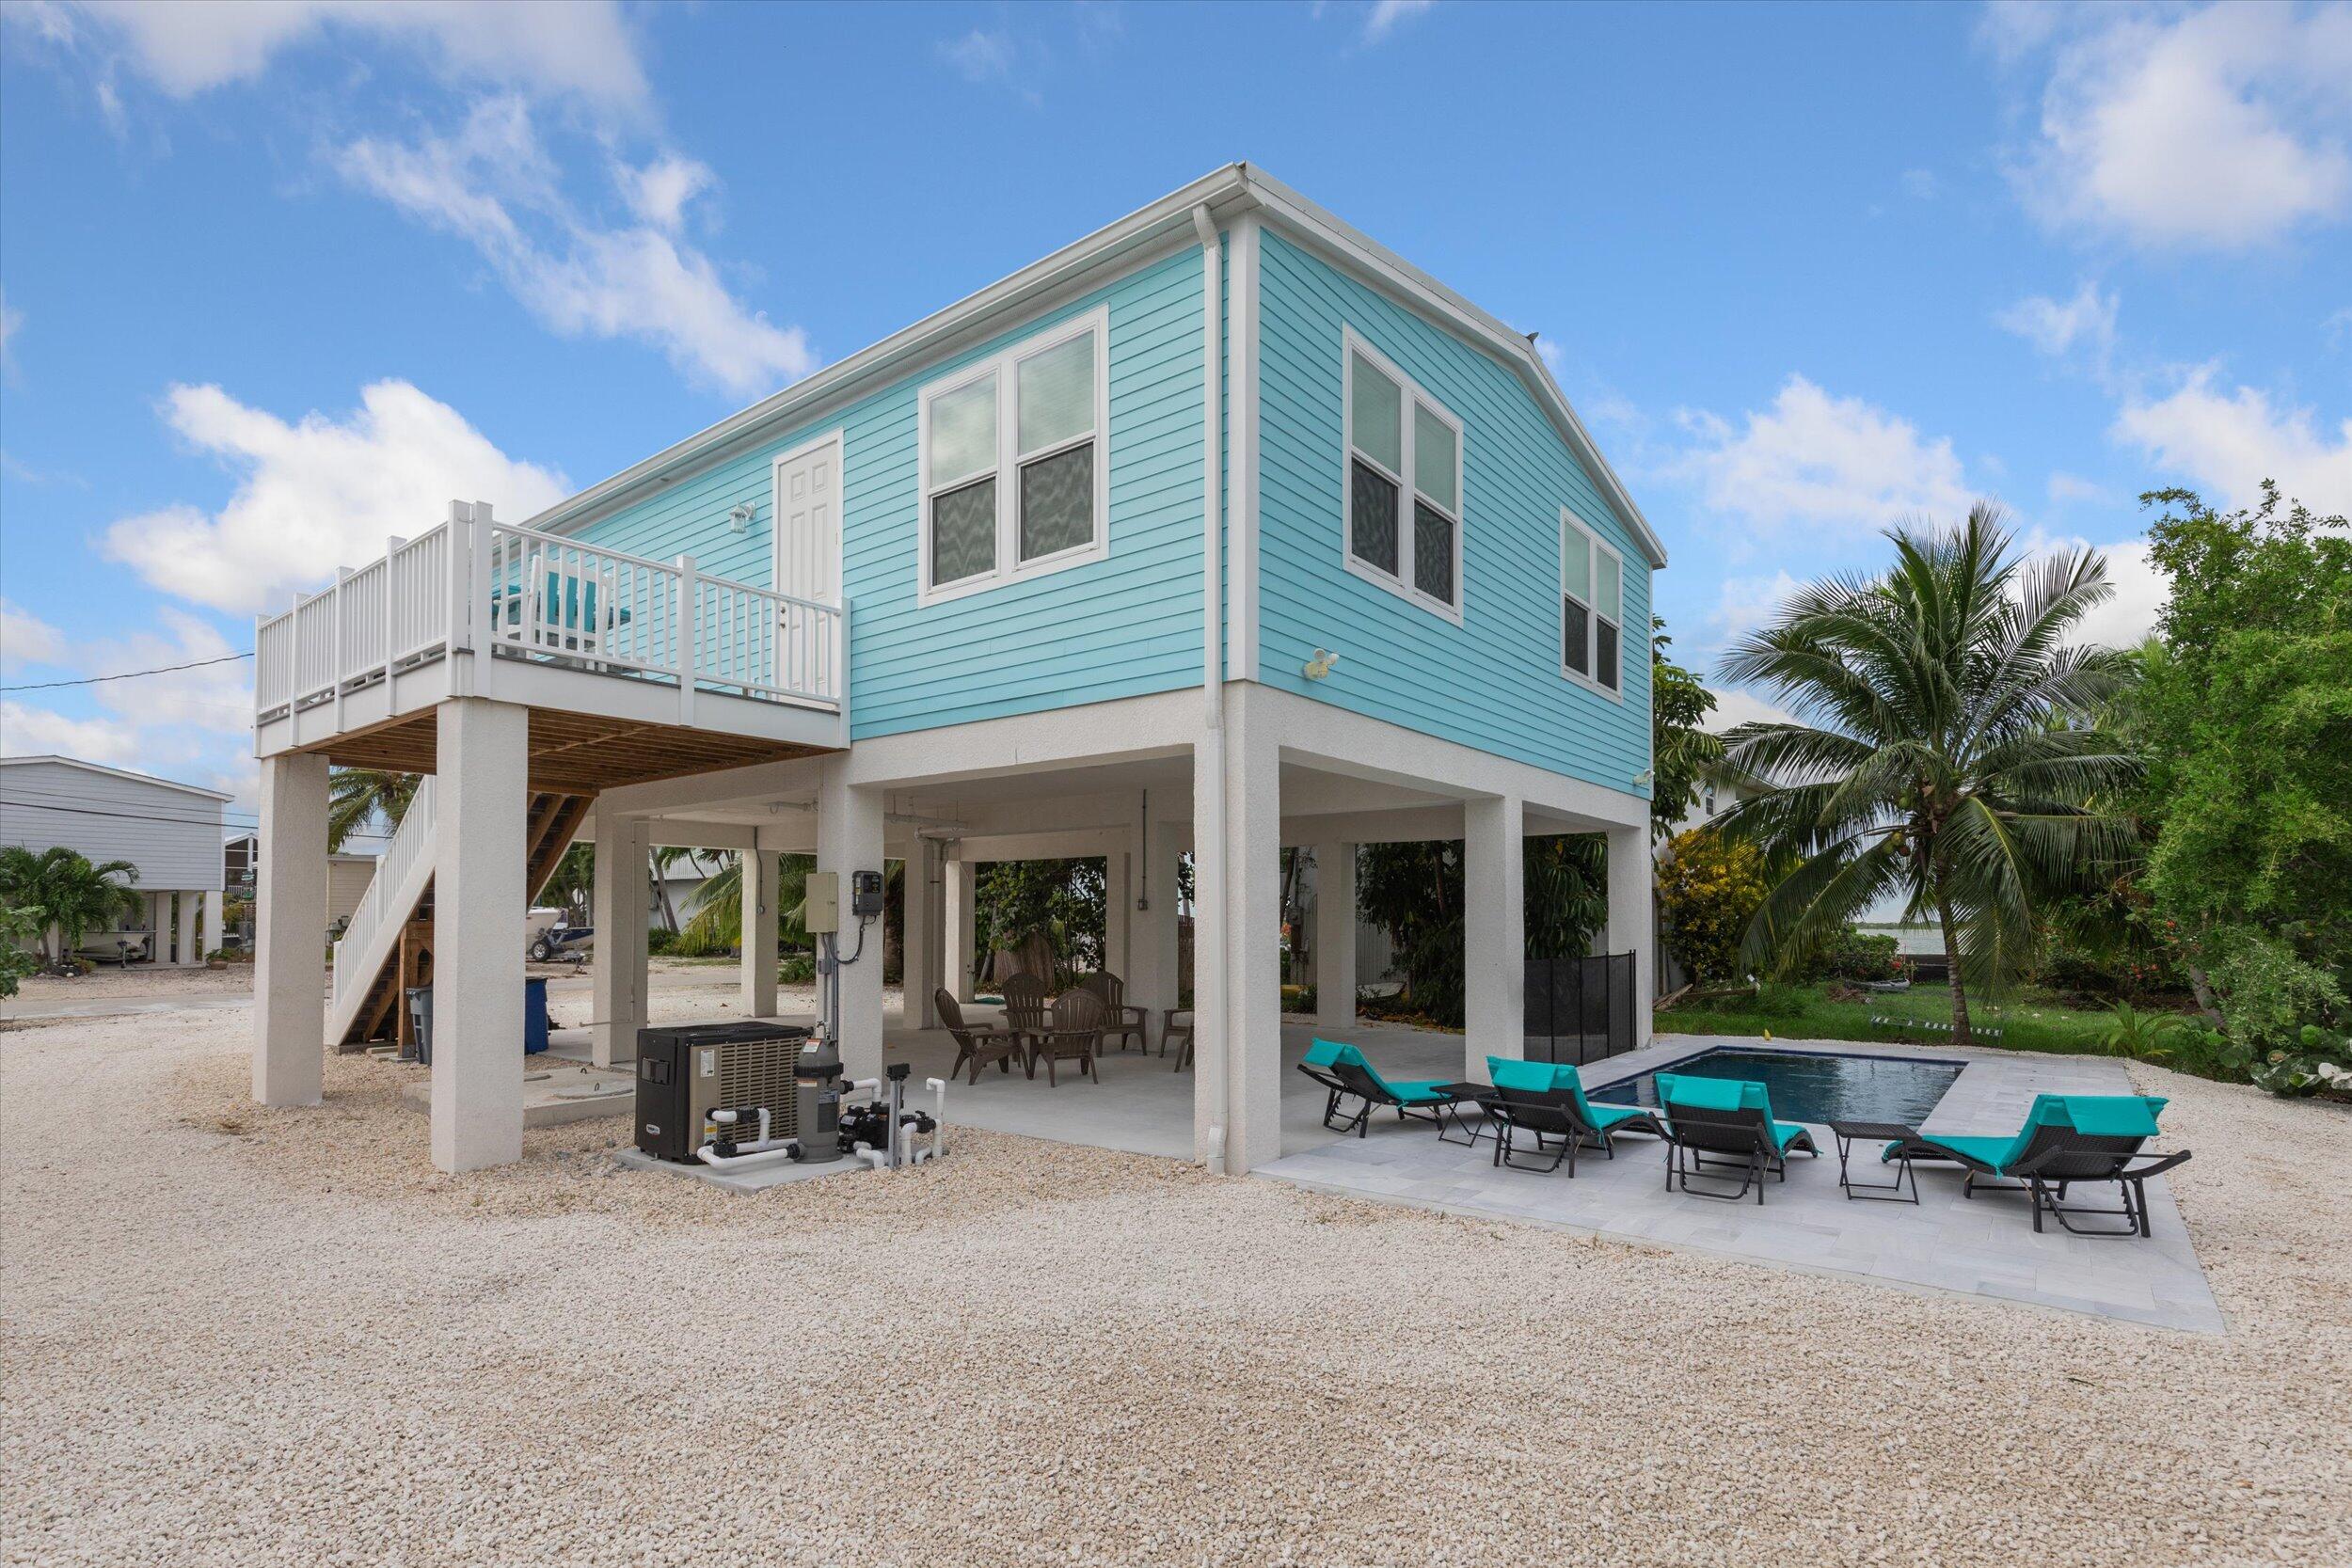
1809	1086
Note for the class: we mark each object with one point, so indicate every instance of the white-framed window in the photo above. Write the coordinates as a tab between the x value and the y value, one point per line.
1012	450
1592	608
1402	484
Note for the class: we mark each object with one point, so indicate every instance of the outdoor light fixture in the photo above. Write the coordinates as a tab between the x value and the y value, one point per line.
1318	666
739	519
1647	776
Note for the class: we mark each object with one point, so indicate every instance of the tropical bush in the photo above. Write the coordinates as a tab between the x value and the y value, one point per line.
1709	888
16	926
1847	953
797	969
66	893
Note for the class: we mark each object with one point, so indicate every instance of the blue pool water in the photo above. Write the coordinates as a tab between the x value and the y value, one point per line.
1810	1088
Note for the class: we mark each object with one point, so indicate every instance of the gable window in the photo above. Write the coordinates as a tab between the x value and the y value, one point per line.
1013	472
1592	606
1404	484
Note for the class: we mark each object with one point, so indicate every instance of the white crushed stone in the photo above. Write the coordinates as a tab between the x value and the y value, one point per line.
237	1335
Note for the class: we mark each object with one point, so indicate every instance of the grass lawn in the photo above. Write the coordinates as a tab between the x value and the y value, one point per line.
2029	1020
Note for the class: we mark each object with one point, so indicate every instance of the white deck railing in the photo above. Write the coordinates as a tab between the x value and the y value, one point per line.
390	896
476	586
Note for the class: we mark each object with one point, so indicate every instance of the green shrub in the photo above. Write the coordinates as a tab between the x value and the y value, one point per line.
699	940
797	969
1775	1000
1708	889
658	941
1851	955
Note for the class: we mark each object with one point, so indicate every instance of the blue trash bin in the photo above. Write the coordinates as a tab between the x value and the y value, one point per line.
534	1017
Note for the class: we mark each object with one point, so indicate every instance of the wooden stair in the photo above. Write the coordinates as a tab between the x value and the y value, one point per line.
553	820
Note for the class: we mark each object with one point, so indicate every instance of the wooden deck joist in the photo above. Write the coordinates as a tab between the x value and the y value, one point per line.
571	754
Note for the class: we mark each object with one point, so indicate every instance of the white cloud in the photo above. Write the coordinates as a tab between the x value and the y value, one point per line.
26	639
1743	604
30	730
981	56
494	185
317	494
11	321
1920	185
2065	487
1818	461
2228	442
1385	16
2127	618
2220	128
2054	328
659	192
1735	705
210	696
584	51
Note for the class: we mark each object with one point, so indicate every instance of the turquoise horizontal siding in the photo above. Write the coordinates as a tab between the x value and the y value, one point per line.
1122	627
1494	682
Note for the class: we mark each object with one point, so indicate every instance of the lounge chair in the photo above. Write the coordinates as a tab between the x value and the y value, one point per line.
1544	1102
1724	1124
1122	1021
1073	1033
2068	1140
1028	1014
1342	1070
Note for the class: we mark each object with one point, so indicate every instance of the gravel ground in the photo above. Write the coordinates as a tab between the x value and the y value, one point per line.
235	1336
113	982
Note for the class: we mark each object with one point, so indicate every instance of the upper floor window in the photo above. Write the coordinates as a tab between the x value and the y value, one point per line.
1592	606
1402	488
1014	479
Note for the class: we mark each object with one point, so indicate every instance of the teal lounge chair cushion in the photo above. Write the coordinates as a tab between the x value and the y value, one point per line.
1725	1094
1413	1091
2097	1115
1509	1073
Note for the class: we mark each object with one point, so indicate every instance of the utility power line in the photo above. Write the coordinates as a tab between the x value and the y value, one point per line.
128	675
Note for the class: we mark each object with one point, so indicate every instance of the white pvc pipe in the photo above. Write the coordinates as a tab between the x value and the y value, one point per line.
939	1116
784	1148
878	1157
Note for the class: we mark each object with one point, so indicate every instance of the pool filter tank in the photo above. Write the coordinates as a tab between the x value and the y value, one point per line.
818	1083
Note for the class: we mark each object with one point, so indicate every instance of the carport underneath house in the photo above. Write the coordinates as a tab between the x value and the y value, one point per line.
1137	781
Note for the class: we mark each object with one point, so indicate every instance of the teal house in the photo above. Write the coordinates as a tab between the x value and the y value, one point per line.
1220	530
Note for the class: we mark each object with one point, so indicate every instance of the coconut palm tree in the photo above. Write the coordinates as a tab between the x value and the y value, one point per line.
1945	746
357	797
68	894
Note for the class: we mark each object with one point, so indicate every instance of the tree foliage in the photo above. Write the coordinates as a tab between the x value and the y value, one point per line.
358	798
65	892
1946	746
2247	721
1710	887
1049	906
1416	892
1683	756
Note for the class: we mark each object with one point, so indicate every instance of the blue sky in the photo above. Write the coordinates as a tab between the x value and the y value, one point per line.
279	281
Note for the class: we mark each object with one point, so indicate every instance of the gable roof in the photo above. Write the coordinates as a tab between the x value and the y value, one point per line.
120	773
1227	193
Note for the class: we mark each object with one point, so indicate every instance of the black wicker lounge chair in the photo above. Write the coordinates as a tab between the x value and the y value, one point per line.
2069	1140
1538	1109
1724	1124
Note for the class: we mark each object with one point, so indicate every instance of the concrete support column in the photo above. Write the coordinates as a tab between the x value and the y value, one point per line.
850	839
760	936
1335	935
215	914
1119	900
960	879
1152	932
159	921
188	952
481	831
289	934
1632	923
1494	933
1237	940
619	915
918	956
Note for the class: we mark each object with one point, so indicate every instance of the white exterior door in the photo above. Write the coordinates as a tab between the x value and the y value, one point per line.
808	558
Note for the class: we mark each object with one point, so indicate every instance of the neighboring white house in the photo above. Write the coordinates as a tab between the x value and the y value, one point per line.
348	873
169	832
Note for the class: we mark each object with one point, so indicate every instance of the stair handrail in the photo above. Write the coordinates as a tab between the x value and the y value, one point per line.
411	841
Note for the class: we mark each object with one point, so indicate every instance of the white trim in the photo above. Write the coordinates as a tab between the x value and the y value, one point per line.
1590	600
1410	395
120	773
1004	366
837	438
1212	501
1151	230
1241	660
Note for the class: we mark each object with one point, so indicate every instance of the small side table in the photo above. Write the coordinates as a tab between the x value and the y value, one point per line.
1904	1138
1463	1113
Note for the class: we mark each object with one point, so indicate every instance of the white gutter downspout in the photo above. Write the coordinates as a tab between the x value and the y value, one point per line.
1208	772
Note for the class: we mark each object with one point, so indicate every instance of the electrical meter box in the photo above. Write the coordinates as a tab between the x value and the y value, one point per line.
866	895
820	902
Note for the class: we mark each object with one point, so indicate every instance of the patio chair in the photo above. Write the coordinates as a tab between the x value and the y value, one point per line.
976	1043
1342	1070
1175	1025
1544	1102
1716	1124
1074	1034
1027	1014
2068	1140
1119	1020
